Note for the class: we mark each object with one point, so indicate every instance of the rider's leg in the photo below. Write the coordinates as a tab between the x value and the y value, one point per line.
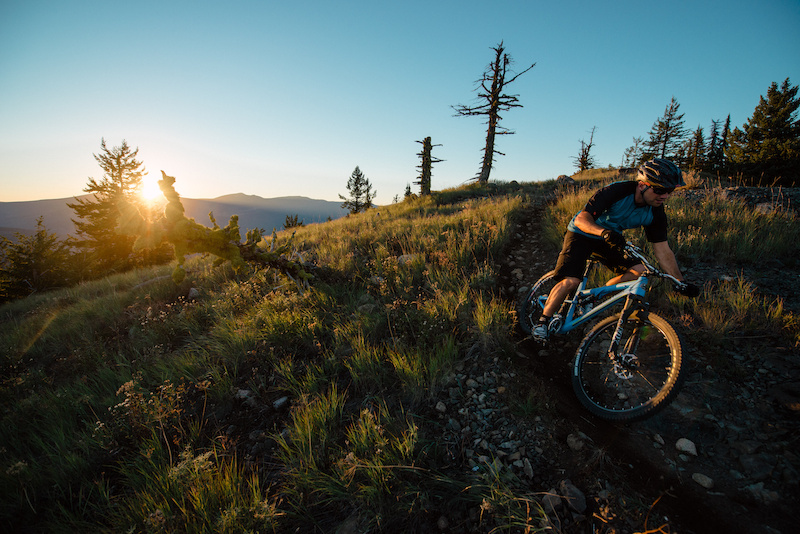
558	294
569	268
631	274
554	301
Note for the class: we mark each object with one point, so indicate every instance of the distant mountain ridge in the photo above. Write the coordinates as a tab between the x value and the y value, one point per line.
253	212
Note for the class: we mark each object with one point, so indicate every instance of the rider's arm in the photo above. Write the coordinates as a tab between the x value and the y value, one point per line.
585	223
666	259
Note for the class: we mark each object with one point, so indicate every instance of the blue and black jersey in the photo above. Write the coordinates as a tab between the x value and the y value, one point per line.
613	208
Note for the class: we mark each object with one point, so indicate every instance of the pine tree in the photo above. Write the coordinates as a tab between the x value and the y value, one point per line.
33	263
768	144
713	153
681	156
493	101
696	153
98	215
726	132
361	193
293	221
667	134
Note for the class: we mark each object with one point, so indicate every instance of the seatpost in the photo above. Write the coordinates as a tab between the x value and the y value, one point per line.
589	265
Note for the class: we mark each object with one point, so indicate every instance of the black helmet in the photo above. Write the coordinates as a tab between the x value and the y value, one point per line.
661	173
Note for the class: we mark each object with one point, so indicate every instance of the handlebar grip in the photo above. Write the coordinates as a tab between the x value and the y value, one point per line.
687	289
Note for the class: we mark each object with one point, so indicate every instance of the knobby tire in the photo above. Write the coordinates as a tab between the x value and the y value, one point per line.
654	382
529	308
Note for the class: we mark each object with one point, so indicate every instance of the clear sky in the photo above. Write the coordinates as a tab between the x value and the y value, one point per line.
286	98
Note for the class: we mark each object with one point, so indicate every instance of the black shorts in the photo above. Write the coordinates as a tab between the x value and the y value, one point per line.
577	249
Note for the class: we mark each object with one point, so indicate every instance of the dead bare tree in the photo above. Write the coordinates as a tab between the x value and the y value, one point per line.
426	166
585	160
492	101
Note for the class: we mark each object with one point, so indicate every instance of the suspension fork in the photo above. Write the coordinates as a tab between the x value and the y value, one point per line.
635	307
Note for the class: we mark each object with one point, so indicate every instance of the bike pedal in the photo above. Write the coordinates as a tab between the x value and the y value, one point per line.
554	325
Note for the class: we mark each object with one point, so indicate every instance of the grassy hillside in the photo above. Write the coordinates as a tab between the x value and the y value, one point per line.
236	403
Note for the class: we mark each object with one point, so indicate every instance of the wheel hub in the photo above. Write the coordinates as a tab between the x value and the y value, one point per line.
625	365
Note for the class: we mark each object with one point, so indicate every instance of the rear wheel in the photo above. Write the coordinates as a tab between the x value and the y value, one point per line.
641	380
531	305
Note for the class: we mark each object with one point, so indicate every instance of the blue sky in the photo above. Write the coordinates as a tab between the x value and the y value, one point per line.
286	98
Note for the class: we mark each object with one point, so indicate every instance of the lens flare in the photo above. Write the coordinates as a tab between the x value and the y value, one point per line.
150	191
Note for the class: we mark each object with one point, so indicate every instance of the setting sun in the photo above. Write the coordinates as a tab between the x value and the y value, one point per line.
150	191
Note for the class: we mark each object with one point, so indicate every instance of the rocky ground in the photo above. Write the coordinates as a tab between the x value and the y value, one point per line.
723	457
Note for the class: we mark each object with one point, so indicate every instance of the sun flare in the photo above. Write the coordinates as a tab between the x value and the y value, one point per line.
150	191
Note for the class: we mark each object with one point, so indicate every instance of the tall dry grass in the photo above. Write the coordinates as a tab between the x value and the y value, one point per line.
124	399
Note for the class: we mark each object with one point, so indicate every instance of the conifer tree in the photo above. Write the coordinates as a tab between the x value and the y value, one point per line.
293	221
697	149
768	144
667	134
492	101
713	152
98	215
361	193
34	263
726	132
681	156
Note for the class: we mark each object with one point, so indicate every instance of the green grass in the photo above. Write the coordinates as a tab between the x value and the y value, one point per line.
119	395
727	231
736	308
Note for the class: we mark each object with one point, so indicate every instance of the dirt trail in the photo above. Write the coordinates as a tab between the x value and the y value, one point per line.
739	409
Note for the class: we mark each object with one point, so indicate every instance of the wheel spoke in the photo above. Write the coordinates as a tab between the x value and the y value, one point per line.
645	375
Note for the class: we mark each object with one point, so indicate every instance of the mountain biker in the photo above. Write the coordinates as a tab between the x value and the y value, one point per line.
597	229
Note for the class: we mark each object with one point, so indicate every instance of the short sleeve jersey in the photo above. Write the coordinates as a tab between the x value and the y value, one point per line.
613	208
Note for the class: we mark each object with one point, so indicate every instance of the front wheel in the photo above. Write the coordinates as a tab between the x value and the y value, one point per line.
531	305
642	378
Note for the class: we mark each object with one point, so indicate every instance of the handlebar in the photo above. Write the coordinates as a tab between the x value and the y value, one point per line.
635	252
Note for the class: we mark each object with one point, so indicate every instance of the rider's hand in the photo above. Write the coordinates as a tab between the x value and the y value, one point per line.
615	239
688	290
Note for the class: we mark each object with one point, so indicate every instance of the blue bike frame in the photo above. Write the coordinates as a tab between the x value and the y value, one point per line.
619	292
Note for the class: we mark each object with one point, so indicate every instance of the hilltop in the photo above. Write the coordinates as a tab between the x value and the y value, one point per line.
396	394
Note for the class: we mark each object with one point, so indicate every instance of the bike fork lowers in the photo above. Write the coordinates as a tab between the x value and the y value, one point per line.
634	307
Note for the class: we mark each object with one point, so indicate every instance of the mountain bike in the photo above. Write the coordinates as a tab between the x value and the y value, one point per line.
628	366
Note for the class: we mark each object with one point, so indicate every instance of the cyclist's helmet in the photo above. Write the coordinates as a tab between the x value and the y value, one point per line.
661	173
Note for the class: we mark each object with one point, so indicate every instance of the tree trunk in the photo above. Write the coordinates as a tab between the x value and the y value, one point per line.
488	154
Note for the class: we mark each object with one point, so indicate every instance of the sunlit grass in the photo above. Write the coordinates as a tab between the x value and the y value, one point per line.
119	394
197	492
599	175
736	307
728	231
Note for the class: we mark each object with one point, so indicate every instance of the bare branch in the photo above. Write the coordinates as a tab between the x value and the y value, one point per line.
492	102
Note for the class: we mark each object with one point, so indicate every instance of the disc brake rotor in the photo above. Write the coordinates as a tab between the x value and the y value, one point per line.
625	365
